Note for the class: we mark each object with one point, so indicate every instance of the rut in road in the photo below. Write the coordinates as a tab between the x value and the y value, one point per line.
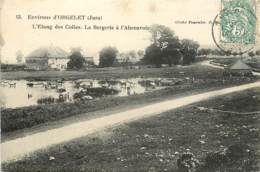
18	148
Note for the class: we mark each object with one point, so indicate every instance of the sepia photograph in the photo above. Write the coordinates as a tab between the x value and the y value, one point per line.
130	85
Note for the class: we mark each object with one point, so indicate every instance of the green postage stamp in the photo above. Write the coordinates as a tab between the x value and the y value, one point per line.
238	22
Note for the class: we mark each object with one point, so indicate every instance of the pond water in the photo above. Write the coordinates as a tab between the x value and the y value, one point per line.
20	93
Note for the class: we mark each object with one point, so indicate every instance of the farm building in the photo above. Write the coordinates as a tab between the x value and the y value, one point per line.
239	68
47	58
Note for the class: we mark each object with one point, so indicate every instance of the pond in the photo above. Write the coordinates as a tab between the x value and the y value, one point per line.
20	93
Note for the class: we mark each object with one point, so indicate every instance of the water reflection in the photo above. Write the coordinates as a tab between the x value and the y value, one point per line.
20	93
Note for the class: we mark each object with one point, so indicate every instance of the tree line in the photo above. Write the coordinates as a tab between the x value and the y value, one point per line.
217	52
165	48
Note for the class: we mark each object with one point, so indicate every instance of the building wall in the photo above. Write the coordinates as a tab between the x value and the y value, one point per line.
58	63
36	63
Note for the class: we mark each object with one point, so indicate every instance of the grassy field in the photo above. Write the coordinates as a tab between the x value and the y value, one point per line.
25	117
219	140
195	70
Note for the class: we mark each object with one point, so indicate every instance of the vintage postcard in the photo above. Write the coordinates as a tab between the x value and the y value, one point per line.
130	85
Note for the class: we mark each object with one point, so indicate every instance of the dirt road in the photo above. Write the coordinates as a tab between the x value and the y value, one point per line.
207	63
18	148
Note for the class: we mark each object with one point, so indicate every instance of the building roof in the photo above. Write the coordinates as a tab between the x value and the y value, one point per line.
239	65
48	52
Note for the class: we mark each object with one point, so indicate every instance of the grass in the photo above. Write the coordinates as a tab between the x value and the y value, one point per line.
194	70
155	144
27	117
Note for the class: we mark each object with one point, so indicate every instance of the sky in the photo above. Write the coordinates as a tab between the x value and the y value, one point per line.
19	35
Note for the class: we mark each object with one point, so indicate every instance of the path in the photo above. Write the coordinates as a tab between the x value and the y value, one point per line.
18	148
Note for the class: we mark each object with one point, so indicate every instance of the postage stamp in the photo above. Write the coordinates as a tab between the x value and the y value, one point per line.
238	21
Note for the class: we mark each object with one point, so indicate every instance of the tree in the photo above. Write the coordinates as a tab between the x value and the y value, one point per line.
76	60
257	52
228	53
204	51
189	50
140	53
19	56
171	53
164	47
172	56
251	54
163	37
235	54
107	56
218	52
153	55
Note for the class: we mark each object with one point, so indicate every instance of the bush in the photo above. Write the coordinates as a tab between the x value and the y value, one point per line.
95	92
46	100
